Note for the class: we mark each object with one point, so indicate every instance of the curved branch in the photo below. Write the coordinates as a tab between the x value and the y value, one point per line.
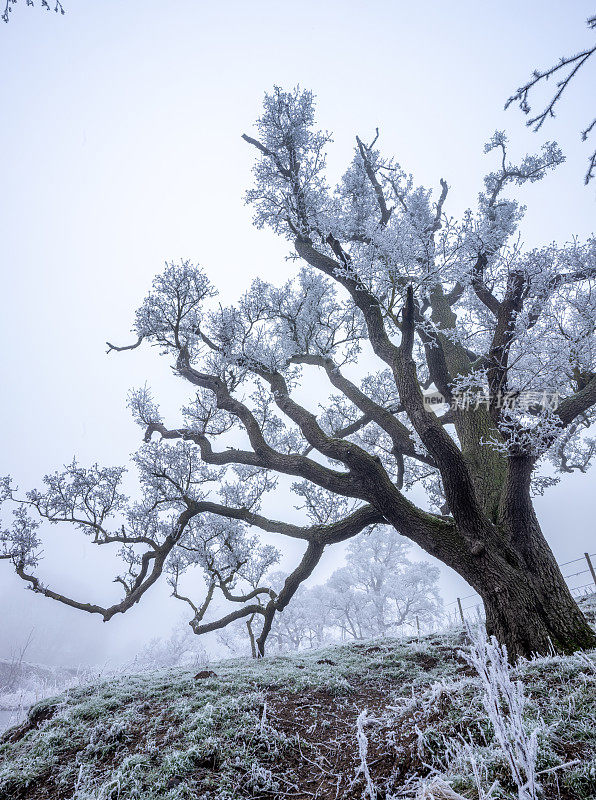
327	534
384	417
267	458
263	454
144	580
571	408
365	154
208	627
479	286
125	347
457	481
304	570
353	456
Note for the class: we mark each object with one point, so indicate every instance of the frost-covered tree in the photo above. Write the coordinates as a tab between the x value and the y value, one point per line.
390	285
180	649
562	73
377	592
379	589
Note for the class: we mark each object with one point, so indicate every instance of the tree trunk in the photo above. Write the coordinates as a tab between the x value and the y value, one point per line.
534	613
528	605
531	610
251	636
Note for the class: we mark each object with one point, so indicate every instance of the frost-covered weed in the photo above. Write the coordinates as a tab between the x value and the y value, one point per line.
504	700
261	779
105	737
466	755
437	789
362	769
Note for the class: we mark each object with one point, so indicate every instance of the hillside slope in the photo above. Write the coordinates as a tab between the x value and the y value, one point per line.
293	726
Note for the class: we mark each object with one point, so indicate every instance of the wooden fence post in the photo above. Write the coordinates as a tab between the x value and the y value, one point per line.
461	612
589	560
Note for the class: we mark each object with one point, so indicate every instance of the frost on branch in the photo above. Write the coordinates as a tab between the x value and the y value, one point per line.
174	475
172	312
20	543
321	506
144	410
45	4
84	496
289	186
564	70
247	487
501	216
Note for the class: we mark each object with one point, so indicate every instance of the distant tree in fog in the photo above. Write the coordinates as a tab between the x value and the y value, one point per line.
380	590
180	649
376	593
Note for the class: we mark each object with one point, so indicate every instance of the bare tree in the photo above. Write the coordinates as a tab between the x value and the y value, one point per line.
12	674
389	283
564	71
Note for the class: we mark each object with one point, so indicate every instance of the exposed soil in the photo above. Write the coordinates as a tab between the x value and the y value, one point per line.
325	760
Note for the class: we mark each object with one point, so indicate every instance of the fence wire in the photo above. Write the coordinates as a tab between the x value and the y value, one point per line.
583	589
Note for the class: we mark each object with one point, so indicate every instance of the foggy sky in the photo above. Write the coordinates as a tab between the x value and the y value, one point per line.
120	149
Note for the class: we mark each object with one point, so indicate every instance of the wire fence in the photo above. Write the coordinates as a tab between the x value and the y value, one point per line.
456	609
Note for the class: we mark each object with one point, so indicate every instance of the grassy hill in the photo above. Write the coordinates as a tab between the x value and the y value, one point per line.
376	720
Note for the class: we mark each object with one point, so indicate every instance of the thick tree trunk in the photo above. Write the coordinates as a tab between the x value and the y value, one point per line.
528	605
533	612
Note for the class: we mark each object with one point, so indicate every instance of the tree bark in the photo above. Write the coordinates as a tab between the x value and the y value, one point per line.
528	605
533	612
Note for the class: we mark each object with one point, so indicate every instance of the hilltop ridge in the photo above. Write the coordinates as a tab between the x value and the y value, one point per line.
342	722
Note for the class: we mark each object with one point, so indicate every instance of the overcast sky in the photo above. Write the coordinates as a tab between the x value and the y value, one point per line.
120	148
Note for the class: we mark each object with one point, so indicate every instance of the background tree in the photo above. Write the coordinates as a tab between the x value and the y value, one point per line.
376	593
388	283
301	621
180	649
564	71
379	590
